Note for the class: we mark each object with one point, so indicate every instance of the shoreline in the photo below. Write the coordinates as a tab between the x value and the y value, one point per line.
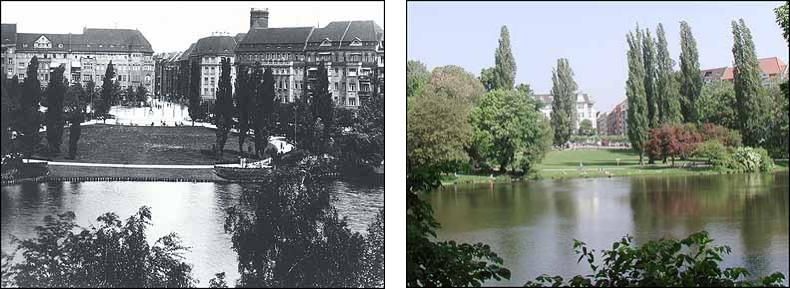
594	173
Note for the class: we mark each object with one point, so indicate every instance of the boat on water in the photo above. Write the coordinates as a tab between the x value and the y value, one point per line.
244	170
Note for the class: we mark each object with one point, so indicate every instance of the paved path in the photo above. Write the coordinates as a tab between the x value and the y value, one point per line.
131	166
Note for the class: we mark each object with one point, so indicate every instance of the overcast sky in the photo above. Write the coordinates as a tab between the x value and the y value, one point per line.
173	26
591	35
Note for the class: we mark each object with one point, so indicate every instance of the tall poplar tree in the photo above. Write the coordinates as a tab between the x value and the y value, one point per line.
752	103
322	107
635	92
108	91
691	85
265	106
242	104
505	64
649	57
563	105
223	110
55	93
29	104
254	85
667	95
195	109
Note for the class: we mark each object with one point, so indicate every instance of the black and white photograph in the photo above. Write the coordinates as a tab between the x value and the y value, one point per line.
193	144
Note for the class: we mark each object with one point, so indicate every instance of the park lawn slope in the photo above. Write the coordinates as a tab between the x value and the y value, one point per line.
151	145
587	163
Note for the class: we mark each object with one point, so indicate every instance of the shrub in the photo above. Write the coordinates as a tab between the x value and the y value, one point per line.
747	159
713	151
766	162
690	262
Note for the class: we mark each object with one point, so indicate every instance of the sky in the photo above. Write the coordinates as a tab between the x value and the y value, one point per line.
173	26
591	35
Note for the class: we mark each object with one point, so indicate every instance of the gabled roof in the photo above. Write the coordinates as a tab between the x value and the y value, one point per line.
772	65
277	35
215	45
8	33
346	31
239	37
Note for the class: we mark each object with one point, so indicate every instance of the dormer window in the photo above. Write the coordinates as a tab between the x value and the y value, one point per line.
326	42
60	45
356	42
42	42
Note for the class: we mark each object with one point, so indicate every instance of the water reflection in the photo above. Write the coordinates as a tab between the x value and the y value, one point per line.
532	224
195	211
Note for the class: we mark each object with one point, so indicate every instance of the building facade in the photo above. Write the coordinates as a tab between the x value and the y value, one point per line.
208	53
772	70
85	56
617	119
585	108
602	123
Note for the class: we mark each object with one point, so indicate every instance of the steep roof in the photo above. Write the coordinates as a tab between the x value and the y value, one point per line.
239	37
8	33
92	39
547	98
772	65
215	45
348	31
186	54
277	35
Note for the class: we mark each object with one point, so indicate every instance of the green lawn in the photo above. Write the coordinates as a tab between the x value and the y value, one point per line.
146	145
596	163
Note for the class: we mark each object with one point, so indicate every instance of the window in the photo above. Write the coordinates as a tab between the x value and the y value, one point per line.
326	42
335	85
352	101
205	79
205	90
352	86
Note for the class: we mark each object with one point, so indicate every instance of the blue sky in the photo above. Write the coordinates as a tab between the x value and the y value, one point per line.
590	34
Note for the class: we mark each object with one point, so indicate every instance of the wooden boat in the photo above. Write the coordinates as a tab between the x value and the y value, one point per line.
248	172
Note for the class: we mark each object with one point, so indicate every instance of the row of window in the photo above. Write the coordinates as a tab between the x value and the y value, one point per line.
311	56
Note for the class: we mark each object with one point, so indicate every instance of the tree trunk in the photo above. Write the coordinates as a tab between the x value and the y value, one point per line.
641	159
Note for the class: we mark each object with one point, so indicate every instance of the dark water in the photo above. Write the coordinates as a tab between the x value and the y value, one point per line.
531	225
192	210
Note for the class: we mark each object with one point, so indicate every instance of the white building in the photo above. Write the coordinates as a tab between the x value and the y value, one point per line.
584	108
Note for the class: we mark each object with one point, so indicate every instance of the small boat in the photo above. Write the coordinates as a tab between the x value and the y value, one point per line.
244	171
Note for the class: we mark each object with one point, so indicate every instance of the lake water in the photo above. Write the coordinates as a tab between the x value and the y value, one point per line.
192	210
531	225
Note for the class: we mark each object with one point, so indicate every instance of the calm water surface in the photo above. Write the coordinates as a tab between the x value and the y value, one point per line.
531	225
192	210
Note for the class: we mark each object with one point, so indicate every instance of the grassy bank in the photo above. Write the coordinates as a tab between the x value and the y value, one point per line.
146	145
591	163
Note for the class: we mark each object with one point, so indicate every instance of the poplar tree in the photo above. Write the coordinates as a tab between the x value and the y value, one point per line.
563	105
223	109
667	88
691	85
752	103
254	86
55	93
29	104
242	104
195	111
635	92
265	106
108	91
649	56
323	108
505	64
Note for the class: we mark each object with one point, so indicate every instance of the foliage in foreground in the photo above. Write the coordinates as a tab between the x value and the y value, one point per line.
116	254
691	262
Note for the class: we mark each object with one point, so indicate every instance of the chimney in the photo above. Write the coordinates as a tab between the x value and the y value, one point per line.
259	18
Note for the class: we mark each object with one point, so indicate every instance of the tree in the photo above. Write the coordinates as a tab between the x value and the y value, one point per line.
667	95
242	103
264	108
253	87
287	234
141	94
505	63
437	131
129	96
323	108
74	105
8	112
651	73
195	104
635	92
752	101
505	125
782	13
691	84
585	127
525	90
90	95
454	82
29	102
114	254
487	78
563	106
223	110
108	92
416	77
717	104
363	145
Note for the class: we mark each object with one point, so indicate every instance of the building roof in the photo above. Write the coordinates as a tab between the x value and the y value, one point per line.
769	66
239	37
277	35
215	45
92	39
547	98
8	33
343	33
715	73
185	55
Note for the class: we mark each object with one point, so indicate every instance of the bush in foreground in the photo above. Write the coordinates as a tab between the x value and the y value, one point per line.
691	262
116	254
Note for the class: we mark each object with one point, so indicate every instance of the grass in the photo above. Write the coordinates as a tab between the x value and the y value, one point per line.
146	145
69	171
596	163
